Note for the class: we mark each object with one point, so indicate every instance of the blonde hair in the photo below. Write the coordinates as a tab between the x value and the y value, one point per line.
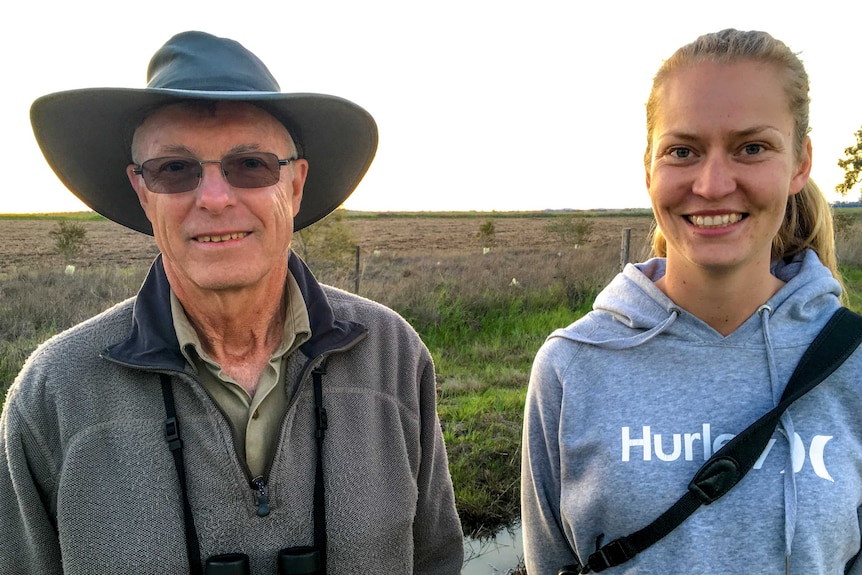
808	218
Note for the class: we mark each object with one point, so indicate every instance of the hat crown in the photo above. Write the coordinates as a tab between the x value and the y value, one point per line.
198	61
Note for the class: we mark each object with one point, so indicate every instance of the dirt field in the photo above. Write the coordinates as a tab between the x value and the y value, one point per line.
29	241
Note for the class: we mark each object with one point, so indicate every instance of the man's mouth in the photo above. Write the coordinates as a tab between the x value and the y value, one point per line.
716	221
221	238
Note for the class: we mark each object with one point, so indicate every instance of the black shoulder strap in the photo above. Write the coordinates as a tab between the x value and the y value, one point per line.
832	346
175	444
320	541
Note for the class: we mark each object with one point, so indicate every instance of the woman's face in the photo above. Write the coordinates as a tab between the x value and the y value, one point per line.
723	165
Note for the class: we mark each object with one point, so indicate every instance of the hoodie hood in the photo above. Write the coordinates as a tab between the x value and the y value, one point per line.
632	310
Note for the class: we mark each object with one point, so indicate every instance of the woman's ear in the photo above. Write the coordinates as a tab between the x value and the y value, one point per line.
803	170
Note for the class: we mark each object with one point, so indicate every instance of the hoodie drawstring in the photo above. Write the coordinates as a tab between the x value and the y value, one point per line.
634	341
788	431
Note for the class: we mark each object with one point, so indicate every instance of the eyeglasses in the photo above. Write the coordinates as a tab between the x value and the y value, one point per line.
176	174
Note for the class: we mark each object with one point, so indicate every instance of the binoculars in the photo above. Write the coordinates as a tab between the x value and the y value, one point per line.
291	561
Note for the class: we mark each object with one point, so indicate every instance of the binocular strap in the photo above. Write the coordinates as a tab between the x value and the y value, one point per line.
175	444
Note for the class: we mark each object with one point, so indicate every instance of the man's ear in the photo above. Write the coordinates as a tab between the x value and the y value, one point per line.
300	173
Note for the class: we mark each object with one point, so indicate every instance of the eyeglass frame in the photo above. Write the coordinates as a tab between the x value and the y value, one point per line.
138	170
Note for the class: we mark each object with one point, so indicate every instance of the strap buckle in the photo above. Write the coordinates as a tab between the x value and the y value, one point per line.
610	555
172	434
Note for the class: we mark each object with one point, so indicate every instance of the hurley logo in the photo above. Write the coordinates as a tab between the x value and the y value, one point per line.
645	445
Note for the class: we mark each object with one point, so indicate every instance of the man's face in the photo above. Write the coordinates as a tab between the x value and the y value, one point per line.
218	237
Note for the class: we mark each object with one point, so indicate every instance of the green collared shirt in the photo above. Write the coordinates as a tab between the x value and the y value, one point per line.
255	419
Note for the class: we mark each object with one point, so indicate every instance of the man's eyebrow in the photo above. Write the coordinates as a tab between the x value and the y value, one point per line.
175	150
243	148
182	150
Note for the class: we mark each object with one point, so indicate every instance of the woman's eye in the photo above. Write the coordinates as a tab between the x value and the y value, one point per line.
753	149
679	153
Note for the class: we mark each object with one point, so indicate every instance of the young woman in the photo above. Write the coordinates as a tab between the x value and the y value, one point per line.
684	351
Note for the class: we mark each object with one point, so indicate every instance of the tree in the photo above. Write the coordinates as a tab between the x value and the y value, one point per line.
852	166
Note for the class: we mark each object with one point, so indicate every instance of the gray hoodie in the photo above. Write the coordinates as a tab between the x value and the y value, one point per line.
627	403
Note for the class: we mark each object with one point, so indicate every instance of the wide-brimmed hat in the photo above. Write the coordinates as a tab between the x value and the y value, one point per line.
86	134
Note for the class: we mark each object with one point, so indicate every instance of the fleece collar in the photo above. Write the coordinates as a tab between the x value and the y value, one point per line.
153	344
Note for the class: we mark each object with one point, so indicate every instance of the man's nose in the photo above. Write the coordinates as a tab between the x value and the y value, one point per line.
214	192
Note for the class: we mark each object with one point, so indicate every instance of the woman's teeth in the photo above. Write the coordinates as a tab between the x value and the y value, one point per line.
714	221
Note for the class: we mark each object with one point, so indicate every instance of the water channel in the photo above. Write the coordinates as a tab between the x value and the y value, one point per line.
497	555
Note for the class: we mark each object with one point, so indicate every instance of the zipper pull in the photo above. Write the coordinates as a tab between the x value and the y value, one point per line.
262	497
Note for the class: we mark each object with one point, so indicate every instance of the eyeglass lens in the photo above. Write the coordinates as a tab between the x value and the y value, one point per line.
173	175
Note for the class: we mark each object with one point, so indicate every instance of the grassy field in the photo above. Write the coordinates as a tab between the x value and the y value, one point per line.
483	291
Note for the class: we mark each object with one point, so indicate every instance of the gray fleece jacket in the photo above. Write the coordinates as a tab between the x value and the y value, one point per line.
90	486
627	403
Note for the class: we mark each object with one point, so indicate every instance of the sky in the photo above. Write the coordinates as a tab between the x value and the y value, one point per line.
487	105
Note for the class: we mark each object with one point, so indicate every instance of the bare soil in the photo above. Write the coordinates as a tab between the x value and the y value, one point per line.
27	242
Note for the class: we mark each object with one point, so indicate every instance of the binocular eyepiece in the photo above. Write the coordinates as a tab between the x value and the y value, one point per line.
290	561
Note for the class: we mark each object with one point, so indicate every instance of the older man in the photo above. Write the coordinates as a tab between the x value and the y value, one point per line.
236	416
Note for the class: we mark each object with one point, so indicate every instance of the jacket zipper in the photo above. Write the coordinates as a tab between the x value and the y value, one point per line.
310	366
257	483
262	498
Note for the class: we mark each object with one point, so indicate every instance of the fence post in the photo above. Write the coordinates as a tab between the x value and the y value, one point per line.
356	273
624	250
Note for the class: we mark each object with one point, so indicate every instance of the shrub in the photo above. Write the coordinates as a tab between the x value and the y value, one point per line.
486	233
69	238
571	230
327	246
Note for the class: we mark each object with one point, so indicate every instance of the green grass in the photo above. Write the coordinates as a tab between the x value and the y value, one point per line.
854	211
483	352
482	431
490	347
38	303
853	283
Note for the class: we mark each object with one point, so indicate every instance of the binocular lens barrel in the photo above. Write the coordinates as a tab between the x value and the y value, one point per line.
291	561
299	561
228	564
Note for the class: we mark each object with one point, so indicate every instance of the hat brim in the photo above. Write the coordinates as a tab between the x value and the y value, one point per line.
85	135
